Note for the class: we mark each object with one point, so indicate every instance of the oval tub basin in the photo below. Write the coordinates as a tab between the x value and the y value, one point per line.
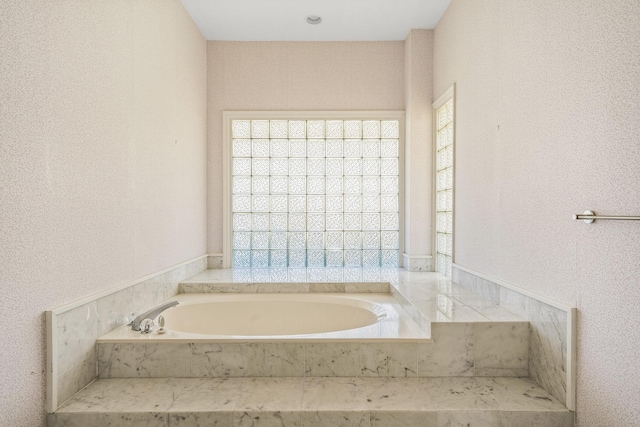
272	314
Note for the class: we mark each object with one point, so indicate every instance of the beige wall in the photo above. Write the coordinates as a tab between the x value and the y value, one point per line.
418	145
102	154
547	126
293	76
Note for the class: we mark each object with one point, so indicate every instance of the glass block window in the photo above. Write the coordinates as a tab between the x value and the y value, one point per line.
444	188
315	193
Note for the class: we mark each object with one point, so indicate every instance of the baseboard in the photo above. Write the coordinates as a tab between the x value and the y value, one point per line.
418	262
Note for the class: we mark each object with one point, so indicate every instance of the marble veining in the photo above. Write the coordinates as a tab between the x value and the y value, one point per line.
388	360
247	359
78	328
270	394
548	344
332	360
473	347
474	338
450	354
201	419
147	360
333	393
501	349
76	333
519	394
110	313
77	377
457	349
335	419
313	402
549	332
548	376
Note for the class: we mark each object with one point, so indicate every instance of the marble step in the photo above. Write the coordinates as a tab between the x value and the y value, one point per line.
313	402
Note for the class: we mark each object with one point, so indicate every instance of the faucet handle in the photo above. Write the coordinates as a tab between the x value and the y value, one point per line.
146	326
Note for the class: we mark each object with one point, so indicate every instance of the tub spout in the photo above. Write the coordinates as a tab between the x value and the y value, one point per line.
151	314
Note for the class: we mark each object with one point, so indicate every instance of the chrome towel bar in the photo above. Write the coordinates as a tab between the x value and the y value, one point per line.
590	216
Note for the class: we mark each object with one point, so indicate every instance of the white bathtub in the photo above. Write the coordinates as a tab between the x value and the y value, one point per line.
280	317
272	314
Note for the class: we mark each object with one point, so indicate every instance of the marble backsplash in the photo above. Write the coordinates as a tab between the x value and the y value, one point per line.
551	353
72	330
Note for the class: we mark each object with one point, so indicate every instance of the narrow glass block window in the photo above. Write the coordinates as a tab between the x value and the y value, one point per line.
444	188
315	193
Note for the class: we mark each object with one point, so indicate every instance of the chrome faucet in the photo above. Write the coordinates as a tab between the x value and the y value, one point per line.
151	314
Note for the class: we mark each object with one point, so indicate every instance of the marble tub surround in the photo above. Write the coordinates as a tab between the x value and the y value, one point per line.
396	346
427	294
457	349
72	330
257	359
552	341
313	402
386	348
471	349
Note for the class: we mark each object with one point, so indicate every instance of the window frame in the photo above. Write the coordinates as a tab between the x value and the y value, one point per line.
448	95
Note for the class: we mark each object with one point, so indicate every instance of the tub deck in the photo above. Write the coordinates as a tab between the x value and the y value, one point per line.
428	297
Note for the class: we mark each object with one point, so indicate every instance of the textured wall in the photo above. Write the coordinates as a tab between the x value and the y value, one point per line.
547	126
102	154
293	76
418	146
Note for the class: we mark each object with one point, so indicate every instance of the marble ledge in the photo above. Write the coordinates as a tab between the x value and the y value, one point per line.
285	287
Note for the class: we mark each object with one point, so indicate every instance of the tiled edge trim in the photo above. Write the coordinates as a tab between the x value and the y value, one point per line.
417	262
51	325
104	311
546	352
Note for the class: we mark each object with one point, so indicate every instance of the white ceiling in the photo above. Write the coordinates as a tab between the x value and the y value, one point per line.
284	20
